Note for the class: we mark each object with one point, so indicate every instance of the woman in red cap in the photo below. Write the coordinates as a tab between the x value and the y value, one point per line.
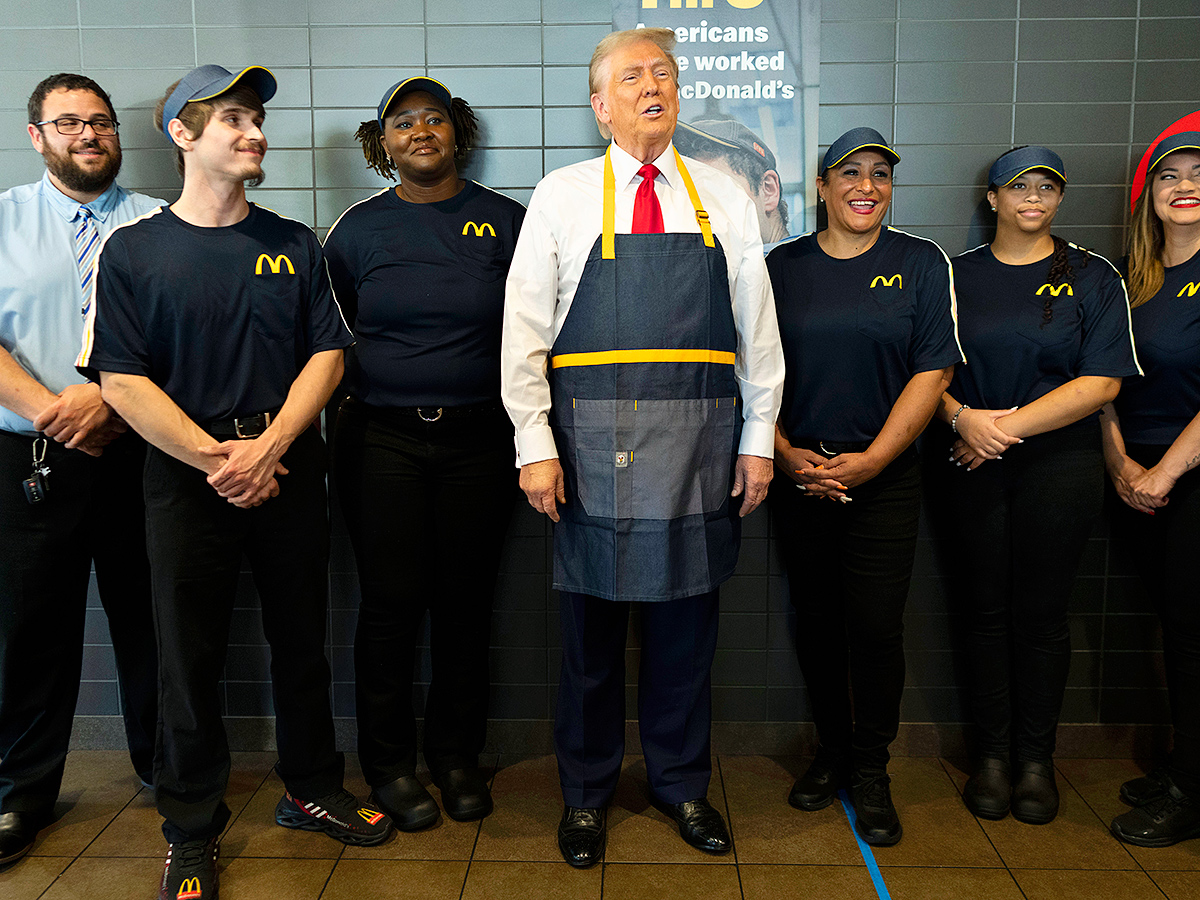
1150	452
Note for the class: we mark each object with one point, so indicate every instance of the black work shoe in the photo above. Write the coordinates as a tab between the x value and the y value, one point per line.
875	816
338	815
581	836
1034	794
407	803
465	794
988	791
18	831
817	787
1172	818
190	872
699	824
1147	789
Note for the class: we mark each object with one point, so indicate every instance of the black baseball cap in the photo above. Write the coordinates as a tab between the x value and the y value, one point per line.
206	82
1184	140
430	85
1015	163
857	139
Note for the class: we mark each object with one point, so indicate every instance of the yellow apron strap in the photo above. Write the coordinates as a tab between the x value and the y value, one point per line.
608	244
701	215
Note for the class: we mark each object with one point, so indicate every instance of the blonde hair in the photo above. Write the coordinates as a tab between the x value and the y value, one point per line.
664	38
1146	242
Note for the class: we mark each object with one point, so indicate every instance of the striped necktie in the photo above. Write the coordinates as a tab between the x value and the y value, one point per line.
87	245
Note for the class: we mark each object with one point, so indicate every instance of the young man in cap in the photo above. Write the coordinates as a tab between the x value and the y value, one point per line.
215	333
91	509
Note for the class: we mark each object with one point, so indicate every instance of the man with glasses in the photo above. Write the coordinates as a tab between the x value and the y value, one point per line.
70	470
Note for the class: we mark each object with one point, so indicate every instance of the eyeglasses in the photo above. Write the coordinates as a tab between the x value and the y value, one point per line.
69	125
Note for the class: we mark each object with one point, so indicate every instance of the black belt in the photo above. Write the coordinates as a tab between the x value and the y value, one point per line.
831	449
426	413
243	427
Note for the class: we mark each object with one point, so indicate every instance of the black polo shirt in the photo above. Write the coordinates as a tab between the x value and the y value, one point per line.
222	319
855	331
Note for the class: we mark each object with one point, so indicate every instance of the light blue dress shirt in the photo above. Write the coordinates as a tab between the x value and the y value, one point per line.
41	319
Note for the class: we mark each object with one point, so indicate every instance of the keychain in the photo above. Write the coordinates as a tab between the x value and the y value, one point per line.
37	485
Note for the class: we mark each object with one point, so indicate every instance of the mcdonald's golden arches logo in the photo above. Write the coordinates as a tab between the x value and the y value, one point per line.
479	229
1055	289
1191	287
275	265
189	890
371	815
888	282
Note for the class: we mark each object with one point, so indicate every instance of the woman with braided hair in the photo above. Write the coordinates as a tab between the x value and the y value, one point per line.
1045	328
423	449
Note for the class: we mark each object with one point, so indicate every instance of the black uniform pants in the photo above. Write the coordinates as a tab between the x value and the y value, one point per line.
1164	549
849	567
679	639
197	540
427	505
1019	526
94	512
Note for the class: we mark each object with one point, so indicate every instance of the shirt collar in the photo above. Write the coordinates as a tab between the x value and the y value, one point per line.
68	208
625	167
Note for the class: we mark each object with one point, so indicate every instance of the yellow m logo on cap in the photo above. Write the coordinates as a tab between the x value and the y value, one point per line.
480	229
888	282
1056	289
1191	287
189	890
275	265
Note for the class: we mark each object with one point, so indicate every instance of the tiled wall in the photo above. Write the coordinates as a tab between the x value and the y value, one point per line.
955	81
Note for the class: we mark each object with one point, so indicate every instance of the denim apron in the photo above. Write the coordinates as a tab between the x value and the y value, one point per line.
646	415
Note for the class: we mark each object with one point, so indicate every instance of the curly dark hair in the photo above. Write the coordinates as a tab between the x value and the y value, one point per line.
462	117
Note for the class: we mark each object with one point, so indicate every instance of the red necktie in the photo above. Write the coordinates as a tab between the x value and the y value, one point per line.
647	214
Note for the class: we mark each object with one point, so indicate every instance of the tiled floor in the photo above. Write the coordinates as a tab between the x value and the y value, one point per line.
107	844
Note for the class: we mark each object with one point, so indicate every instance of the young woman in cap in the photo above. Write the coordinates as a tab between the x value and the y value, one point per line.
865	315
1150	453
423	450
1045	328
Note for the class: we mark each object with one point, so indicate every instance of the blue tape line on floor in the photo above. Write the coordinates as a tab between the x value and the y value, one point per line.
864	848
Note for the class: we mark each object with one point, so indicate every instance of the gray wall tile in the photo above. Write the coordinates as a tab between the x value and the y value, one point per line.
510	127
1167	8
106	13
139	88
14	134
260	12
857	83
493	86
293	204
1054	123
237	47
1088	39
399	48
570	127
52	50
1149	120
576	11
858	41
920	123
346	168
573	44
951	82
288	128
454	12
925	41
41	15
105	48
958	9
366	12
850	10
946	164
336	127
20	167
1056	9
359	88
1169	39
1159	81
469	45
1092	82
565	86
507	168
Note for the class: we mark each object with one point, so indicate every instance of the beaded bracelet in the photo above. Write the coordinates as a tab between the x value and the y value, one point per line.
954	420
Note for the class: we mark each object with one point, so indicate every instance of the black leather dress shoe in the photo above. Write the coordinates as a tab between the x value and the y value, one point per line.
18	831
1172	818
1035	795
699	824
465	794
875	816
1150	787
988	791
581	835
817	787
407	803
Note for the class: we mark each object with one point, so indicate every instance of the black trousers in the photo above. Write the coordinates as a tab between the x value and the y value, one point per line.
679	639
427	505
1164	548
1018	528
197	540
849	567
94	513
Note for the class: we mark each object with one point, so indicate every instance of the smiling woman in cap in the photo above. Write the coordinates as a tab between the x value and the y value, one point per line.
1046	332
1151	453
866	318
423	450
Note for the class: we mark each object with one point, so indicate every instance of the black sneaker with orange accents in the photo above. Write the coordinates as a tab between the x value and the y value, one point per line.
190	872
340	815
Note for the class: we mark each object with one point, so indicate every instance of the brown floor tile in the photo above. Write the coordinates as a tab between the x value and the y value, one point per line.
1050	884
493	880
97	785
258	879
639	833
942	883
528	807
387	879
824	882
938	829
1176	885
767	830
30	877
255	834
107	879
631	881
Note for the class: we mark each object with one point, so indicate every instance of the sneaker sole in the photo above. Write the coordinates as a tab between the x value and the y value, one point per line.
1154	842
306	822
879	841
796	803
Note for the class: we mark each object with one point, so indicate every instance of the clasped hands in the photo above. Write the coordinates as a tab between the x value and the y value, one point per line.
981	437
245	470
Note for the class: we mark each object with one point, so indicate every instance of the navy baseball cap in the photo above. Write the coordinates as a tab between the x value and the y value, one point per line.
440	92
1016	163
1184	140
857	139
725	132
206	82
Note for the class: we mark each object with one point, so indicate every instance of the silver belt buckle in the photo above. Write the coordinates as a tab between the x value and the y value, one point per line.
425	418
261	421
